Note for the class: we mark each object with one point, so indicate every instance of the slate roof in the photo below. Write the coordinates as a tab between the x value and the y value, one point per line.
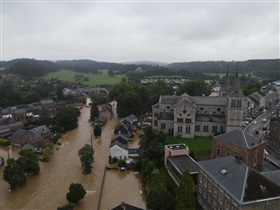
131	118
100	118
242	182
210	118
239	137
166	116
273	176
19	134
121	138
210	100
40	130
120	144
125	206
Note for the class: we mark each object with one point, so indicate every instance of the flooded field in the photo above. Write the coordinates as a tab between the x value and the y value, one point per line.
48	189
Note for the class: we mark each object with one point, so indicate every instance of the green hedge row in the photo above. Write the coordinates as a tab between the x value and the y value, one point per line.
4	142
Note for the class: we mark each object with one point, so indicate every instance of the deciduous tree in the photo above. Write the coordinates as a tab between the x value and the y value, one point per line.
76	193
185	195
86	156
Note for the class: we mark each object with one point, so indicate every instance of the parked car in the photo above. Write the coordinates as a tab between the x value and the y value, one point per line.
264	120
255	122
256	132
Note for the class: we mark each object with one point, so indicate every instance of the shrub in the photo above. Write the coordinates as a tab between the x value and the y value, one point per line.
4	142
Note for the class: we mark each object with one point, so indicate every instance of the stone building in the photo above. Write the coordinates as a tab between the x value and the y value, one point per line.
241	145
228	184
274	131
190	116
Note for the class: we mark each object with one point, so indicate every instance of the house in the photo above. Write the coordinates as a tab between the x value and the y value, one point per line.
20	137
8	129
123	129
39	134
19	114
274	131
228	184
239	144
125	206
100	120
47	104
130	119
177	160
188	116
37	145
106	111
118	149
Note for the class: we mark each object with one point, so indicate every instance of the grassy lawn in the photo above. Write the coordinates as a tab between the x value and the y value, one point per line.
94	79
202	146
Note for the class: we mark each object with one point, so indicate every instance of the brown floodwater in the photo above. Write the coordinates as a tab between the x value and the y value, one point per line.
48	189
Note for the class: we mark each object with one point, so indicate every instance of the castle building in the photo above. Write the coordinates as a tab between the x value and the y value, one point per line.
189	116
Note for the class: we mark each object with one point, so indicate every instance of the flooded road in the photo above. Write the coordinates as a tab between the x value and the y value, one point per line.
48	189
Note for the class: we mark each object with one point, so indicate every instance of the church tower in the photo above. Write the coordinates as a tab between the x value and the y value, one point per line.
225	90
237	106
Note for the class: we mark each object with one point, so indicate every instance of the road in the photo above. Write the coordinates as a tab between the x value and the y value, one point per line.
273	155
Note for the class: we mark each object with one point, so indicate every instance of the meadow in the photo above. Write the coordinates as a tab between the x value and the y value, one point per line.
94	79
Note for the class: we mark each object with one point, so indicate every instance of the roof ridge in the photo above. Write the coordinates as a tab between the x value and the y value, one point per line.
244	184
245	139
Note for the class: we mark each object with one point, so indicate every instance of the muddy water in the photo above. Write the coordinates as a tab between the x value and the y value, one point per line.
48	189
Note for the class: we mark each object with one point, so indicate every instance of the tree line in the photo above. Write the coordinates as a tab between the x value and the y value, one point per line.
268	68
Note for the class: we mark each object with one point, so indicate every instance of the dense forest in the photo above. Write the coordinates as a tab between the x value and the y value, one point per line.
262	68
34	68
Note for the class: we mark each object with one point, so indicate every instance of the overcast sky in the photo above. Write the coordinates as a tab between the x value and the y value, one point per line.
123	31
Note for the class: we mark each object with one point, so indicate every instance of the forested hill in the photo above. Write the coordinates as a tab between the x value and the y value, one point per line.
37	68
269	68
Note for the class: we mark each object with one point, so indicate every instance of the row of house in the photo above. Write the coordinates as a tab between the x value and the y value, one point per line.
229	180
35	138
119	147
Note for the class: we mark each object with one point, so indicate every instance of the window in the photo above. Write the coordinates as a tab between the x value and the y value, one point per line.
218	151
197	127
235	202
188	129
214	129
215	193
180	129
214	205
204	194
227	205
209	199
205	128
222	128
228	154
180	120
188	120
162	126
218	144
155	122
236	149
221	199
205	182
200	189
210	188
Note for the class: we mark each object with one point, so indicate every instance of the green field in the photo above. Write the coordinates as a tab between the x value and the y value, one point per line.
94	79
202	146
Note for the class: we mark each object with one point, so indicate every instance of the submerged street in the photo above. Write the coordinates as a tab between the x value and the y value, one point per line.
48	189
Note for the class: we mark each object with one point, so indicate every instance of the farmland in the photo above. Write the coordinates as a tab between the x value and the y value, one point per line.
93	79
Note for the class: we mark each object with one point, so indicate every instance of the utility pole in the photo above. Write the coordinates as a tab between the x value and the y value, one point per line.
91	133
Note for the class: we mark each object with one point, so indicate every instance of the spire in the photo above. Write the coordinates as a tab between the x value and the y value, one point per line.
227	82
236	90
